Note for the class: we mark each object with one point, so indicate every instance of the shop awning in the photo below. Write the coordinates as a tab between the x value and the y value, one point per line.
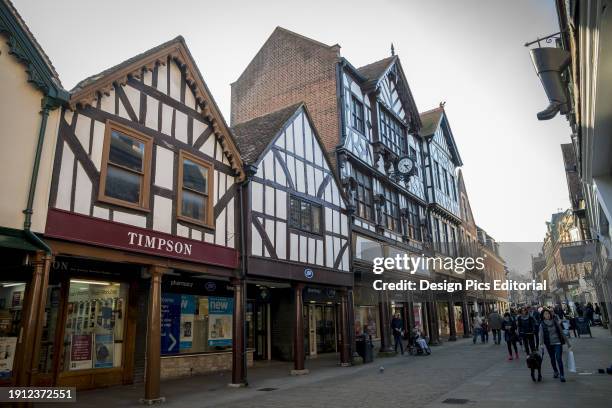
15	239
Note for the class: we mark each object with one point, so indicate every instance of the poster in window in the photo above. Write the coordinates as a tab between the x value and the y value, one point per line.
104	351
7	354
80	352
188	307
170	323
17	299
220	310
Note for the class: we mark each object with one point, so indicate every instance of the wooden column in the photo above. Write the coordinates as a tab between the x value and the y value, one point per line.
345	345
385	338
410	317
238	336
298	331
432	323
351	323
153	360
466	320
26	363
451	322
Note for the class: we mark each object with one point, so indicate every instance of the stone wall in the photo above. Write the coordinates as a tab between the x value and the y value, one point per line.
195	364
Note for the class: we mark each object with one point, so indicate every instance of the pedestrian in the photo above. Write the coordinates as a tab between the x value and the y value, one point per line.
579	310
597	309
477	324
526	328
510	335
420	340
573	326
553	339
559	311
495	323
397	327
484	330
589	311
536	316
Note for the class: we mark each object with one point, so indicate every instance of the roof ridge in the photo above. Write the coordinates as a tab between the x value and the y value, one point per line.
305	37
295	106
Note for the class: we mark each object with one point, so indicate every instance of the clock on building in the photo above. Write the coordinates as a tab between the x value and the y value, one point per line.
405	165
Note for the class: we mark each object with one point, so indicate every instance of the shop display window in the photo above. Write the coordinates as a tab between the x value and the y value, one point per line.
195	324
94	326
366	321
11	304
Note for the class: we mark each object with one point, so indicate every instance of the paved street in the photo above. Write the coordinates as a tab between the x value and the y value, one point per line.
478	373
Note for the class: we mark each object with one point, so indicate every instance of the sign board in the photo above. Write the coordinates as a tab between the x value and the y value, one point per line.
170	323
7	355
188	307
220	311
80	352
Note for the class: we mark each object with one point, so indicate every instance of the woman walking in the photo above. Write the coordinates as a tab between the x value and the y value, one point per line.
509	327
553	339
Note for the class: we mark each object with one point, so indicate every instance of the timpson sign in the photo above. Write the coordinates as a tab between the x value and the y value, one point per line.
76	227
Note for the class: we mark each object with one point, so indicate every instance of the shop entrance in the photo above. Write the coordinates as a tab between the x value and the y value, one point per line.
323	319
257	318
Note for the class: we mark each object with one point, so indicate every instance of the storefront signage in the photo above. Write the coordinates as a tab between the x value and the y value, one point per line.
80	352
308	273
76	227
188	307
7	355
104	351
170	323
220	312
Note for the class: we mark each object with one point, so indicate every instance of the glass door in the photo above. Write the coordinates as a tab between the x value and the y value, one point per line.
257	329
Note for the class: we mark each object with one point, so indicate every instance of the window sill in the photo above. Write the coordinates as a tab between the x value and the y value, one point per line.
192	221
125	204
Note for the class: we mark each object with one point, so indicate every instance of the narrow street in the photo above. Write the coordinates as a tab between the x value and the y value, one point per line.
457	371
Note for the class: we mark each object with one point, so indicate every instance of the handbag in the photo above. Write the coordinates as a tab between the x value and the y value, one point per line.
571	362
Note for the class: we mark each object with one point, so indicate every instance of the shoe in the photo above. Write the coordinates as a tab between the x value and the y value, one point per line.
510	358
556	375
539	377
562	379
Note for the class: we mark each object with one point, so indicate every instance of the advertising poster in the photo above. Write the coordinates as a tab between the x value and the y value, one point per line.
170	323
80	352
7	354
220	310
188	307
104	350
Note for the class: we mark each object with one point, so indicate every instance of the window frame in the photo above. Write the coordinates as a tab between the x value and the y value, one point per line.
300	227
392	132
367	201
391	209
145	187
209	222
357	116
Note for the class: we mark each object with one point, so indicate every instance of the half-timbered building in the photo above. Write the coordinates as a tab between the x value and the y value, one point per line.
143	224
298	252
368	121
443	207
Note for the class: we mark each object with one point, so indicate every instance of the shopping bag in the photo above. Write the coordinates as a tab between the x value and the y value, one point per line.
571	362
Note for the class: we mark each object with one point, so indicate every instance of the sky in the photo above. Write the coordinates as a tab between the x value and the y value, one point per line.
468	53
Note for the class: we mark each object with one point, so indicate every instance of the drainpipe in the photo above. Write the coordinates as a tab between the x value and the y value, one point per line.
47	104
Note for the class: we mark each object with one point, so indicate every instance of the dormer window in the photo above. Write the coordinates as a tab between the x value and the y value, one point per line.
357	115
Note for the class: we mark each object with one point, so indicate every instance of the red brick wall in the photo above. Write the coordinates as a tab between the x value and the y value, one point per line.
289	69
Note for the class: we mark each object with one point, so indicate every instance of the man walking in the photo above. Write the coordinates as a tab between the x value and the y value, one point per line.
398	330
495	323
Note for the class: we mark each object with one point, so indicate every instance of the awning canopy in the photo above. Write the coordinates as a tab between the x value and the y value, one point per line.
15	239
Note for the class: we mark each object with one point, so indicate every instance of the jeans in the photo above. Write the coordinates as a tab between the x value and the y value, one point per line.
510	343
496	335
478	332
555	351
398	341
528	342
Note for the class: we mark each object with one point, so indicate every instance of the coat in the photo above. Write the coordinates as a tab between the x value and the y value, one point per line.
495	321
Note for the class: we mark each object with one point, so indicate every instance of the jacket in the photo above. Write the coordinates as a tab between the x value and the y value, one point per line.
526	326
509	328
544	336
495	321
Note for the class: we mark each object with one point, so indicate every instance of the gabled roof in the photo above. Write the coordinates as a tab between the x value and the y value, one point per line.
374	71
24	46
88	90
255	135
432	120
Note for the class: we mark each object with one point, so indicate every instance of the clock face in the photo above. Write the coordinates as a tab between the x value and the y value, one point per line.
405	165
